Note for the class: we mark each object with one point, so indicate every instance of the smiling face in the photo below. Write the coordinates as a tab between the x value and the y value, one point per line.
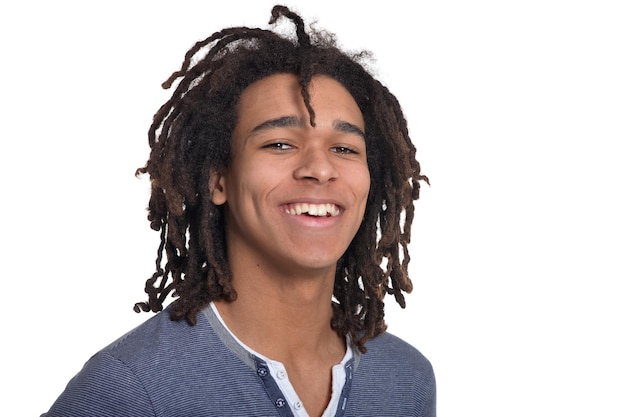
294	194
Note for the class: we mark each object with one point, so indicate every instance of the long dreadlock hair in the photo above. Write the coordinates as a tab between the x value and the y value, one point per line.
190	138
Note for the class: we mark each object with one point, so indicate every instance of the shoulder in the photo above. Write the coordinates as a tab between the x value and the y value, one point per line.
391	352
105	386
159	336
134	373
162	351
393	378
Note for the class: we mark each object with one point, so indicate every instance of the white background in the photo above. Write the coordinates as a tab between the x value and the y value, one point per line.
518	111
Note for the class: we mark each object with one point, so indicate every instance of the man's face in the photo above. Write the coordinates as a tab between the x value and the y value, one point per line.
295	194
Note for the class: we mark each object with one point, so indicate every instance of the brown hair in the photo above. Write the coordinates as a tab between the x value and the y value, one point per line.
190	137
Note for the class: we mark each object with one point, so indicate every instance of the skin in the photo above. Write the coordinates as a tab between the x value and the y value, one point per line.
283	263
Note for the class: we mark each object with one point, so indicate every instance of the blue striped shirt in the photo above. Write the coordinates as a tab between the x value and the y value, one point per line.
169	368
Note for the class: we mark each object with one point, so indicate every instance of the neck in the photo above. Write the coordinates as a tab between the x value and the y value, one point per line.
284	314
283	317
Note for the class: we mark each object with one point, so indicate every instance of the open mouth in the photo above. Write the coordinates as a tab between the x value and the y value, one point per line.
314	210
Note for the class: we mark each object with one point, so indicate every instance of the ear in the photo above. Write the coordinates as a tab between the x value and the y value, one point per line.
217	187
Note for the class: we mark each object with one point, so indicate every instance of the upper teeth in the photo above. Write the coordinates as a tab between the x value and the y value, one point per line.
313	209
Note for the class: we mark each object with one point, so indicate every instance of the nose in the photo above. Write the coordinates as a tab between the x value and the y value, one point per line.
316	164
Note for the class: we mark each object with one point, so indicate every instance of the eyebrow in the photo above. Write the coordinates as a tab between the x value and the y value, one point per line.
346	127
285	121
294	121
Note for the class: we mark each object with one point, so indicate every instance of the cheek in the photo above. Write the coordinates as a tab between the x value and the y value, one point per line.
365	182
250	187
361	186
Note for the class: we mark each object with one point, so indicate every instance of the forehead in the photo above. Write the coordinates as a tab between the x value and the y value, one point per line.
280	95
278	90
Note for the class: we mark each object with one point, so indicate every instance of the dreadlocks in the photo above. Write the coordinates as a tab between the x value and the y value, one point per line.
190	138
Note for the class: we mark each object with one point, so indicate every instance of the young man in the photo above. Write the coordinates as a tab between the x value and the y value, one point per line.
283	182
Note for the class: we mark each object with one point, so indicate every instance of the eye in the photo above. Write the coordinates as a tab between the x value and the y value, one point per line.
344	150
278	146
